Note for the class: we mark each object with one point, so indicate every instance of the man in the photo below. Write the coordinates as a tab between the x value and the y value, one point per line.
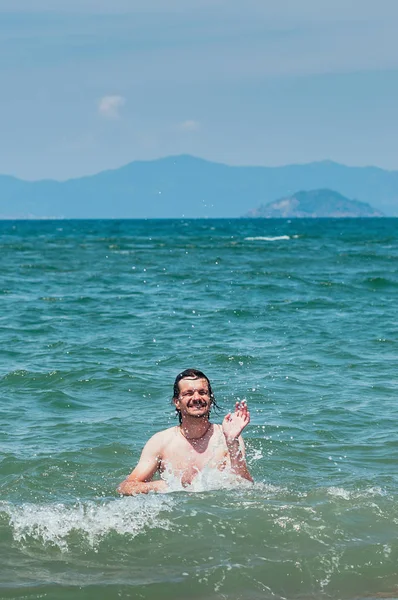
194	444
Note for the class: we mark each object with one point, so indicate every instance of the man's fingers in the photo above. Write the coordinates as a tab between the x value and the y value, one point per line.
241	408
241	412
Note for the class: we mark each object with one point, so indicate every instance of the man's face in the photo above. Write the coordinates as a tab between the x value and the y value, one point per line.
194	397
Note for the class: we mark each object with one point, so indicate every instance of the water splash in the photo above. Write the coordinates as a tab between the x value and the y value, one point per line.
206	480
55	523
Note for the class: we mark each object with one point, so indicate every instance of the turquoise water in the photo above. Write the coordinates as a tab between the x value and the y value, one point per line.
299	317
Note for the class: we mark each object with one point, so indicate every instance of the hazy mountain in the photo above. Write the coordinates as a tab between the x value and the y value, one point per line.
191	187
315	204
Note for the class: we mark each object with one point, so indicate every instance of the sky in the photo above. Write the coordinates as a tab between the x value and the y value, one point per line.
89	85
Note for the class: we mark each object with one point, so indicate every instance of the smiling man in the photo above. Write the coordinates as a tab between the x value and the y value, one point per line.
194	444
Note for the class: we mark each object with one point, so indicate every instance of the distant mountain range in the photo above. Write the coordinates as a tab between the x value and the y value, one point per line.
185	186
314	204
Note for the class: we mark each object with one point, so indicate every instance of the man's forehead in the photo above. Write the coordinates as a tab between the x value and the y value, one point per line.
193	381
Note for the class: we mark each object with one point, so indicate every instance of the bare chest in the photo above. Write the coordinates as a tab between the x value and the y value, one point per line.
186	458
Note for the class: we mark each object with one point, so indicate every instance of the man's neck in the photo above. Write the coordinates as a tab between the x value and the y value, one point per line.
194	428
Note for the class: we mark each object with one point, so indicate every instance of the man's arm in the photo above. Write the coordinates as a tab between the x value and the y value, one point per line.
139	480
232	427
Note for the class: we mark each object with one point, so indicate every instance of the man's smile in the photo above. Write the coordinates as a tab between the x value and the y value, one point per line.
197	404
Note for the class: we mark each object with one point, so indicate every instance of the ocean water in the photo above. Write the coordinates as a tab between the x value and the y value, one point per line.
299	317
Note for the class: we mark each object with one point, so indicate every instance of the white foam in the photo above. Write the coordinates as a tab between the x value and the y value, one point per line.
54	523
339	492
268	239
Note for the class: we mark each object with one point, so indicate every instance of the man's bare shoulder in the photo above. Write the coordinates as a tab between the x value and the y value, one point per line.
156	445
163	437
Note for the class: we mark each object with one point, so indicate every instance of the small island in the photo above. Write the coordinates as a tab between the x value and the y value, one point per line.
314	204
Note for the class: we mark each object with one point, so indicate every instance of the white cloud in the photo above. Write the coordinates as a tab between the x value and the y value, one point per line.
109	106
189	125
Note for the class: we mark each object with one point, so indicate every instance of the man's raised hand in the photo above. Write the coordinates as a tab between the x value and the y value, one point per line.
234	423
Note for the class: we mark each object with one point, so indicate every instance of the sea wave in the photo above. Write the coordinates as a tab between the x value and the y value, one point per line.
54	523
274	238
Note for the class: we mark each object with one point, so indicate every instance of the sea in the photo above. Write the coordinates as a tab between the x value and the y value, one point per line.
299	317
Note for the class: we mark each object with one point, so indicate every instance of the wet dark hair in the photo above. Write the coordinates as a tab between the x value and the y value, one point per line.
192	374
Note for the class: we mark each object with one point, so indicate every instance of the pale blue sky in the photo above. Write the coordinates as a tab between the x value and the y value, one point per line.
93	84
